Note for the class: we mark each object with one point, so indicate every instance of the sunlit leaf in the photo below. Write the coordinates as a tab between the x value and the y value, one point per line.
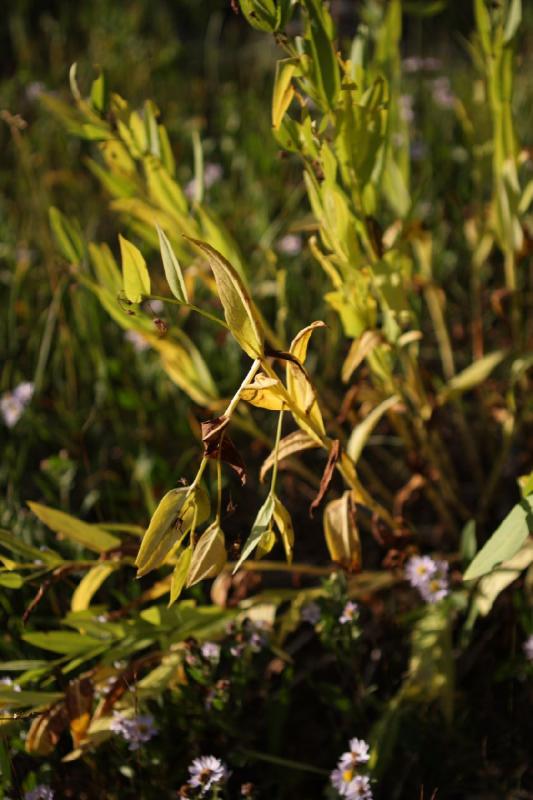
261	525
179	575
89	585
172	268
209	555
134	272
341	532
505	542
90	536
295	442
283	521
361	433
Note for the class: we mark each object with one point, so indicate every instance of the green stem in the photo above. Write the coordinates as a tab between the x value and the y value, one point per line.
190	306
283	762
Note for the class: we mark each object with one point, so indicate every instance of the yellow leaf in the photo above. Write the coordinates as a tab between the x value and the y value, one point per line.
239	310
171	521
90	536
134	272
342	535
209	555
283	90
299	386
89	585
179	575
263	392
359	349
283	520
293	443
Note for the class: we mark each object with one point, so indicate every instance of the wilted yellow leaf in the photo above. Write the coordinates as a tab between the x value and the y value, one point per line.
340	530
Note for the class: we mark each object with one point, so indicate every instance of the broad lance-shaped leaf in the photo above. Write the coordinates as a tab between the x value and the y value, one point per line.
283	521
361	433
209	555
90	536
239	310
89	585
264	392
472	376
295	442
179	576
299	386
134	272
341	533
67	235
261	525
172	268
491	585
171	521
505	542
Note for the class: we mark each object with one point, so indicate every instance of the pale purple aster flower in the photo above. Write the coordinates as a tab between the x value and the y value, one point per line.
207	772
407	112
210	651
311	613
417	64
256	634
12	404
442	92
157	306
41	792
359	753
351	786
528	648
349	613
419	569
135	730
290	244
212	174
137	341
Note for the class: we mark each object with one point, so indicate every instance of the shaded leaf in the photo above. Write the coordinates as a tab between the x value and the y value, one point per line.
283	520
505	542
172	268
327	475
341	532
361	433
295	442
472	376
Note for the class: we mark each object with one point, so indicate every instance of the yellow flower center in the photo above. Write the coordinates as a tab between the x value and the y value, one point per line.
347	775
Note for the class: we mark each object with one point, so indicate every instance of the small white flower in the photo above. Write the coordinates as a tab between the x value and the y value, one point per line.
419	569
311	613
41	792
210	651
528	648
349	613
442	92
359	753
9	682
135	730
212	174
290	244
12	404
429	576
207	772
137	341
350	785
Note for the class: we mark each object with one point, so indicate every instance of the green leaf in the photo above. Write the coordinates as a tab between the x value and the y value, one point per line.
11	580
179	576
172	268
16	545
261	525
239	310
67	236
99	93
491	585
90	536
505	542
134	272
209	555
171	521
514	18
25	699
472	376
67	643
361	433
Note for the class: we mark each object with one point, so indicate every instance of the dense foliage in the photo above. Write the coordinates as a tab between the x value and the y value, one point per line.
266	411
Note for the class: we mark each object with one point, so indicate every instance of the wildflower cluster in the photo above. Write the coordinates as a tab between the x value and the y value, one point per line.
13	404
41	792
347	777
429	576
135	730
